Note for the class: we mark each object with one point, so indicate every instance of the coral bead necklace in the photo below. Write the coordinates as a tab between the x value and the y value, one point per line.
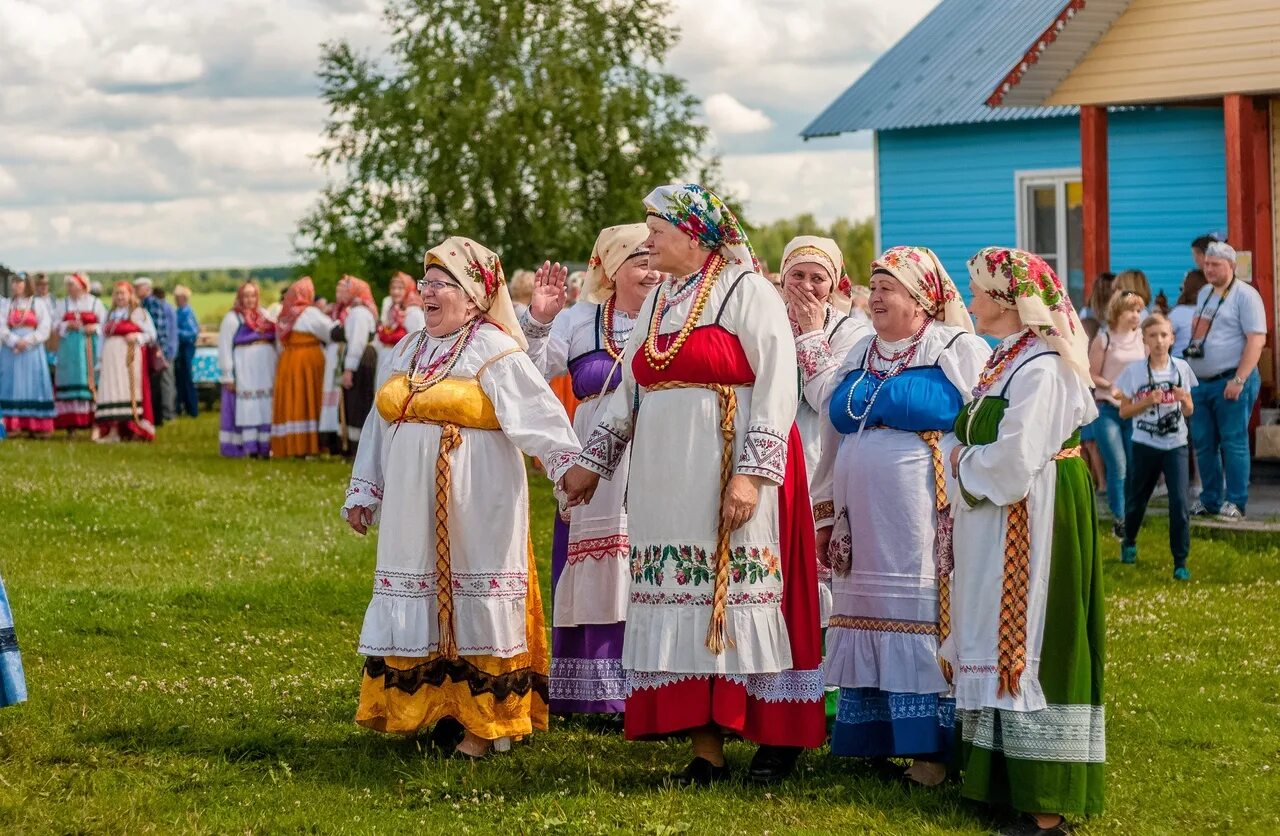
659	360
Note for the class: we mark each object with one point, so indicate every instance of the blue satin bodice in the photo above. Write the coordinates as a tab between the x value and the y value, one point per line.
918	399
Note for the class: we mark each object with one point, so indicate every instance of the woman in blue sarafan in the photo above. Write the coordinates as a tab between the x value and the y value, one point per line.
13	684
892	406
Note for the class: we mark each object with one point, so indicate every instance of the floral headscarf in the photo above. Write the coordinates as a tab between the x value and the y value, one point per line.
300	296
1022	281
614	246
923	275
479	271
361	296
825	253
705	218
253	315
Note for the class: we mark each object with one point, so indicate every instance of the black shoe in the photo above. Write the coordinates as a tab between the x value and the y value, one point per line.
700	773
1118	530
1026	826
771	764
447	734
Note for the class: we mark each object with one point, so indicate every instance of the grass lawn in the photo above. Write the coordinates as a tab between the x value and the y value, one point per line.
212	306
188	626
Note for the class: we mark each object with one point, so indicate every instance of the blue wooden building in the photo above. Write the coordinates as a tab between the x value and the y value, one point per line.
955	174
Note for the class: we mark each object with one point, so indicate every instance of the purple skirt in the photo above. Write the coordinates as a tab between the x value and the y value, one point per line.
237	442
586	661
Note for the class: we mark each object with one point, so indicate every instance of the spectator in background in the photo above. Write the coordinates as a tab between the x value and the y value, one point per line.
1184	309
1136	281
161	354
1228	330
860	303
521	290
188	333
1198	247
1109	353
1093	316
42	291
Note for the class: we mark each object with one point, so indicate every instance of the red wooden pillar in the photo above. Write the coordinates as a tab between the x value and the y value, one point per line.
1093	170
1238	128
1264	245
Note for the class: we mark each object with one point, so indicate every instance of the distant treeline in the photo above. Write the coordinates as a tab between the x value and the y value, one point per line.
201	281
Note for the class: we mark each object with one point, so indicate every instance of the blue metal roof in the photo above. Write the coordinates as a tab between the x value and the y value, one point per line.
943	70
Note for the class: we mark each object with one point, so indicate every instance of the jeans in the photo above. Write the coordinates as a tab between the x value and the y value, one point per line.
1220	432
1114	437
1145	466
188	400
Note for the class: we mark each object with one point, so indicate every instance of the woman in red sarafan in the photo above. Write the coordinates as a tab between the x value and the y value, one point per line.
124	393
722	622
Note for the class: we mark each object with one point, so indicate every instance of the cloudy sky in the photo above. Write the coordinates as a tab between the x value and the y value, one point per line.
147	133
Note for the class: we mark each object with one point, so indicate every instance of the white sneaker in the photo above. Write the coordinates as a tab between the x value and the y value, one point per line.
1229	513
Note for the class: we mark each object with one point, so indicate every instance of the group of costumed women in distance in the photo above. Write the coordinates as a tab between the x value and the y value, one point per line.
722	621
454	634
78	321
124	410
351	364
247	361
26	389
590	555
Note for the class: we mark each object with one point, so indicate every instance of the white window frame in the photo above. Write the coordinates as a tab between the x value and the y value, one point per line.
1058	178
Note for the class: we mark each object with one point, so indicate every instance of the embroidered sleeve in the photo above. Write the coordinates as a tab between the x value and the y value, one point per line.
764	453
814	355
533	329
824	512
603	451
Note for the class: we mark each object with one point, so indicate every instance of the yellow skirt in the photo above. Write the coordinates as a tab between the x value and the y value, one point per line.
489	696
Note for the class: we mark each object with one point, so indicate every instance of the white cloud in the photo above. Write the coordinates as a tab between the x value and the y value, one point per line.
727	116
827	184
152	65
8	185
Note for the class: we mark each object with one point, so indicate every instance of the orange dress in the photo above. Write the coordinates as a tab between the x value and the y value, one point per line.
295	413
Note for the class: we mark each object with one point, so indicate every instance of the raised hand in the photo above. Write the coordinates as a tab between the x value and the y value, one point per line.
548	292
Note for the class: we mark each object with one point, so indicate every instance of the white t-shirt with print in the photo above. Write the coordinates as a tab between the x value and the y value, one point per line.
1163	426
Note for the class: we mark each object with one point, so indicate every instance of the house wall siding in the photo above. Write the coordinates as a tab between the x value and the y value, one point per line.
953	188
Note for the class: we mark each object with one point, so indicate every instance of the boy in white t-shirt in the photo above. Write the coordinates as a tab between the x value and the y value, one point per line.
1156	394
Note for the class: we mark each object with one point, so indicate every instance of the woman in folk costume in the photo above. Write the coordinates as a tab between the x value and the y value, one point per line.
891	407
247	358
302	330
78	322
1027	632
13	682
124	411
402	313
355	361
26	390
455	630
590	574
722	625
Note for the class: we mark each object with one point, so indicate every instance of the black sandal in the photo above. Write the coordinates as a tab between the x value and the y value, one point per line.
700	773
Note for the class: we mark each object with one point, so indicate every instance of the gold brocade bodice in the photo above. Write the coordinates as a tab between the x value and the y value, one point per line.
454	400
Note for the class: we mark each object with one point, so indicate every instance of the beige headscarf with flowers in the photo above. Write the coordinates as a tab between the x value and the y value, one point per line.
923	275
614	245
825	253
1022	281
479	271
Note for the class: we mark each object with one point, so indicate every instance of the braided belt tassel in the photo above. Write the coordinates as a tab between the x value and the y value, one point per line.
1012	658
942	544
715	630
450	439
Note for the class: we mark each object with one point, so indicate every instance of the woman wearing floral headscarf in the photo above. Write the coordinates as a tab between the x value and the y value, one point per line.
454	633
1027	626
402	313
891	405
247	358
589	563
302	330
722	623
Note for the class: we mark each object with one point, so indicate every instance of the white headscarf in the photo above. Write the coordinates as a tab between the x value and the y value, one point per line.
479	271
825	253
614	245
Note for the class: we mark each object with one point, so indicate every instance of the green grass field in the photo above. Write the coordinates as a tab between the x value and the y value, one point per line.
188	626
212	306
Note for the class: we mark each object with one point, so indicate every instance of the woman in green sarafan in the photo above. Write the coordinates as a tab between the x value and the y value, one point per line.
1026	640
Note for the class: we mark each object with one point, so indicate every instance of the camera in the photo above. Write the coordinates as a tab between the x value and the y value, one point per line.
1194	350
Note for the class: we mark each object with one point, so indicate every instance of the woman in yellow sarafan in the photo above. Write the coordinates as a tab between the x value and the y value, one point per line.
455	630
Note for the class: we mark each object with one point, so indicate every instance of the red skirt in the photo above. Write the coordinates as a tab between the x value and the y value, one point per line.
716	700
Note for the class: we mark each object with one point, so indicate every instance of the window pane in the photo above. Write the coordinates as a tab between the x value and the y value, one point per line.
1042	227
1075	242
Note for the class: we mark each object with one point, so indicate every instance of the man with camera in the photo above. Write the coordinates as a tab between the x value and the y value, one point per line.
1228	332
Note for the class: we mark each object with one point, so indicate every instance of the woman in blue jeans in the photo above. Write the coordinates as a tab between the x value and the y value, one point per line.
1113	349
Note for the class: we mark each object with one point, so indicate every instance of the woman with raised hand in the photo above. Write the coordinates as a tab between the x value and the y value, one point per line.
722	625
454	635
1027	635
302	330
124	411
892	405
589	563
247	356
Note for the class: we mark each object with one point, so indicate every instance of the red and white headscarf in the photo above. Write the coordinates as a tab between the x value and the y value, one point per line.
300	296
411	299
78	278
255	316
924	277
361	296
